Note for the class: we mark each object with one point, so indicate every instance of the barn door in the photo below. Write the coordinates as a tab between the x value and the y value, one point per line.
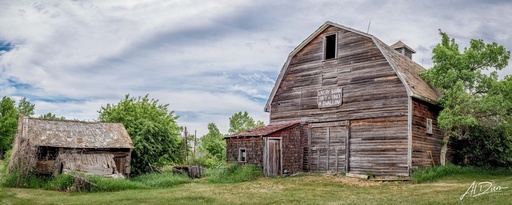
327	147
273	157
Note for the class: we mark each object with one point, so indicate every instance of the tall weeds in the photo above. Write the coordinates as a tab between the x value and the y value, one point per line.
234	173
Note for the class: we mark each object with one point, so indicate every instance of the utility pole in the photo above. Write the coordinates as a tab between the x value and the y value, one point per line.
186	146
195	142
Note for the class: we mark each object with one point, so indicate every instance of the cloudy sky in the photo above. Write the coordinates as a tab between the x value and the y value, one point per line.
206	59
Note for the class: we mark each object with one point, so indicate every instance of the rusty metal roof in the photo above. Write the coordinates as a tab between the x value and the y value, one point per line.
74	134
264	130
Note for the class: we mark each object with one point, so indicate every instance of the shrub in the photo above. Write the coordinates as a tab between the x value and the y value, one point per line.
61	182
484	146
23	181
234	173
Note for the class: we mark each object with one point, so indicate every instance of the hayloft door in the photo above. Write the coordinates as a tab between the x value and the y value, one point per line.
273	157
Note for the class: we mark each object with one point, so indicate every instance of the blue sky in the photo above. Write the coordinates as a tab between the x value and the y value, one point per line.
206	59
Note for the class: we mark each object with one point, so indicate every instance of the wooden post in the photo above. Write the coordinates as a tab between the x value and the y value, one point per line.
195	142
186	147
328	147
336	160
347	148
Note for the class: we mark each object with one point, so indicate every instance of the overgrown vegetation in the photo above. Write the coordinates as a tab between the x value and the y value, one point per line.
438	172
213	145
234	173
477	105
75	182
152	128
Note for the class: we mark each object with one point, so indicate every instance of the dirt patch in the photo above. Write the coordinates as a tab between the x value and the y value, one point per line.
352	181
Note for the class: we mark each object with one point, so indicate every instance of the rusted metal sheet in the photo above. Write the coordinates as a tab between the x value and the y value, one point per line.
264	130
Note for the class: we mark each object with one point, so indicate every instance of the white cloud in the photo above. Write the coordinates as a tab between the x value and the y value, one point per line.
207	59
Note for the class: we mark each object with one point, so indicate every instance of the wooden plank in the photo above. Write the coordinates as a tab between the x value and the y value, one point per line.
347	148
328	146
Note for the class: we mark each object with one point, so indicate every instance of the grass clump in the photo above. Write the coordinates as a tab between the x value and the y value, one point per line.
101	184
234	173
437	172
165	180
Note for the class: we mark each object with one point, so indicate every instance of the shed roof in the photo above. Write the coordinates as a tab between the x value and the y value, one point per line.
406	69
264	130
74	134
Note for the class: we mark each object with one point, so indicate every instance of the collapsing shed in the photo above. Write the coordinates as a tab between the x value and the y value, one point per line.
361	104
51	147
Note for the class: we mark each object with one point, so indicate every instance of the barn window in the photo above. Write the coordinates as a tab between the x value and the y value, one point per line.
429	126
330	46
242	156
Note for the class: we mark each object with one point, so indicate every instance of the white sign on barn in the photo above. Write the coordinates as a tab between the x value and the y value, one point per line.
330	97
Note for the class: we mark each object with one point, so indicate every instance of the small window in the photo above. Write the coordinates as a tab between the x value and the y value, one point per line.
330	46
429	126
242	157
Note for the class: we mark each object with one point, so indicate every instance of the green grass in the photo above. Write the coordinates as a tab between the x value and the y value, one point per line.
233	174
450	170
302	189
306	189
166	180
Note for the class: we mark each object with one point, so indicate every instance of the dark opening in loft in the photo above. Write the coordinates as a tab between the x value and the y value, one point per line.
330	46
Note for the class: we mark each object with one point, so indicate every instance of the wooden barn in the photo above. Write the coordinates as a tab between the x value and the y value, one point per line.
52	147
356	104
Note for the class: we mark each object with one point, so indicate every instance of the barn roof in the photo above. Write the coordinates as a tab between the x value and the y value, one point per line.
406	69
264	130
74	134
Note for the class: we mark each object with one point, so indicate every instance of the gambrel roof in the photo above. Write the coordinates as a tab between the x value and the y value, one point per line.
406	69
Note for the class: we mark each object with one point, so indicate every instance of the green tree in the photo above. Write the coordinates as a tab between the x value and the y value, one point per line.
213	143
152	128
51	116
241	121
470	97
25	108
8	124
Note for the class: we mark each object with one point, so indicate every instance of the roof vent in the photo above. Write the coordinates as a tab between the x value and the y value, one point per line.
403	49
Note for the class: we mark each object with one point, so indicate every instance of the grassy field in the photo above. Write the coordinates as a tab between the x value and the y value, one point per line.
305	189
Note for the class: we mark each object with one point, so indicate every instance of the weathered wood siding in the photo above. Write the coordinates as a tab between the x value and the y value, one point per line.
374	100
328	147
370	86
293	141
426	148
253	147
379	146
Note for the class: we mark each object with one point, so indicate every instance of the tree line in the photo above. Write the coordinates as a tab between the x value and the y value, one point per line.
152	126
9	111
